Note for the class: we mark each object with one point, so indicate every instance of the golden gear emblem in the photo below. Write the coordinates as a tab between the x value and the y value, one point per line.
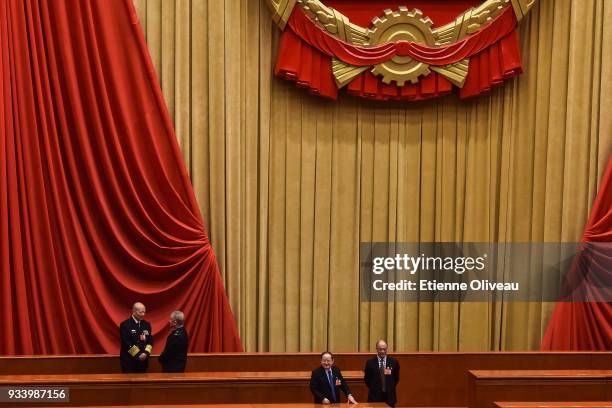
401	25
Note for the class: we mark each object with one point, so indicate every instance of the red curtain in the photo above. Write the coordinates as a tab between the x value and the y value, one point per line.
96	207
362	12
576	326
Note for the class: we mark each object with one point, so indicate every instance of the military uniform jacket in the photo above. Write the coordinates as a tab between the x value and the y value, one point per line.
136	338
174	357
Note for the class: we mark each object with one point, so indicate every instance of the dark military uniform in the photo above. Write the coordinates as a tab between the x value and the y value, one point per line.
136	338
174	357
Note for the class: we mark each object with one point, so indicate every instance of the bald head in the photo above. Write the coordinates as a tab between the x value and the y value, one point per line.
138	311
381	348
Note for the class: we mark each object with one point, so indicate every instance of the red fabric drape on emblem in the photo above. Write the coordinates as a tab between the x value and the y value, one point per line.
96	207
305	54
440	11
588	326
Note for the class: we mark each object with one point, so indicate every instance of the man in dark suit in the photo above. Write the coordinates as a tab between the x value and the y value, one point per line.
382	374
327	381
174	357
136	341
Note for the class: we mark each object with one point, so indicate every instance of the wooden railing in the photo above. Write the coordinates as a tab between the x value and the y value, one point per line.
427	379
487	387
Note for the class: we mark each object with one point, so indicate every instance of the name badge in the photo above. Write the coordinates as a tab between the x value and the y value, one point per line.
338	383
387	371
143	337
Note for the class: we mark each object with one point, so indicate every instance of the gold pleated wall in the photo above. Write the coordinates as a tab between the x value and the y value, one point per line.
289	183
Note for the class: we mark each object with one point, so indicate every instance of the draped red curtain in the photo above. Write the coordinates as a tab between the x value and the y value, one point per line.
96	207
576	326
305	52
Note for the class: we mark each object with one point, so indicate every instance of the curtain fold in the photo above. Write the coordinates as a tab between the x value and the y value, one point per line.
96	206
576	326
289	183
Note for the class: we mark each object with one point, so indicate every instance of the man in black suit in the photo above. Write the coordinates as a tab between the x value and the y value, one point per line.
136	341
326	382
382	374
174	357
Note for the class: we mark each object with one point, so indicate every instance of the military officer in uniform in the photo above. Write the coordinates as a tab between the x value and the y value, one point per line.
136	341
174	357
